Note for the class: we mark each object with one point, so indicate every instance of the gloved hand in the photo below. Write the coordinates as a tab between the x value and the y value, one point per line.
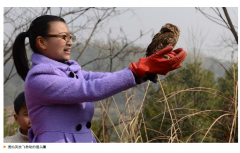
174	53
157	64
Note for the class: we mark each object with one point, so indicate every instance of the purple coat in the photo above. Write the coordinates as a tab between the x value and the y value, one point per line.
59	98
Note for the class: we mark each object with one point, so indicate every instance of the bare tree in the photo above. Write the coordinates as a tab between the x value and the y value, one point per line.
222	18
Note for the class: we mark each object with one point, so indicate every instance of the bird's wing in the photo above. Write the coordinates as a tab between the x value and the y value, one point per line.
160	41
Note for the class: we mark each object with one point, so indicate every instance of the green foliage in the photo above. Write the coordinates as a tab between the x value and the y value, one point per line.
9	129
227	85
184	98
95	126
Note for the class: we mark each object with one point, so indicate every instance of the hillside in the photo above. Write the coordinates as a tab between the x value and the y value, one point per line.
15	85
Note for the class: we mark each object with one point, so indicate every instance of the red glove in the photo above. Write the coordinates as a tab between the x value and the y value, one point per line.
157	64
174	53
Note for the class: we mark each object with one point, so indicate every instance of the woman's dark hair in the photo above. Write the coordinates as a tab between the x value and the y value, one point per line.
39	26
19	102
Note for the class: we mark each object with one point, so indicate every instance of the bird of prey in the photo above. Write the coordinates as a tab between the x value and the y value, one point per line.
167	36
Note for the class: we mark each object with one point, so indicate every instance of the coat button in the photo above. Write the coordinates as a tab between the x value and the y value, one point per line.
78	127
76	76
71	75
88	125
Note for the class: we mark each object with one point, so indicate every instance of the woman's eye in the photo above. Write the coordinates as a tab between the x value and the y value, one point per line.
64	37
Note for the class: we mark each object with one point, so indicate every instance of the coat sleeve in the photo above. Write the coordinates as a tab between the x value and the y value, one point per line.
45	86
94	75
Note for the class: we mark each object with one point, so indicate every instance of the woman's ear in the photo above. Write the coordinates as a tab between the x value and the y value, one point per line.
40	43
16	118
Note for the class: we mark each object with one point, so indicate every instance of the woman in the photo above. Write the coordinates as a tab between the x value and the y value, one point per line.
59	94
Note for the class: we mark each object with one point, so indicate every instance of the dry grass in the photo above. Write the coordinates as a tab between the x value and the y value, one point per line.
132	127
130	122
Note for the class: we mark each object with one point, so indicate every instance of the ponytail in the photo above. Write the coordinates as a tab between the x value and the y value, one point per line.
39	26
20	56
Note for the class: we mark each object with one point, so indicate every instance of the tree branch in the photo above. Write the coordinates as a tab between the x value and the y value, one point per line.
230	24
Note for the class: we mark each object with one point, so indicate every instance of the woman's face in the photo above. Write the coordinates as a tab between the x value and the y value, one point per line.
57	48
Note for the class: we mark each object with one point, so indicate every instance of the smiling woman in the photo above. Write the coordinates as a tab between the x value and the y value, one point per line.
57	45
59	93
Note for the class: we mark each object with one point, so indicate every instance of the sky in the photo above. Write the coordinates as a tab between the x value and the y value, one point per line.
186	18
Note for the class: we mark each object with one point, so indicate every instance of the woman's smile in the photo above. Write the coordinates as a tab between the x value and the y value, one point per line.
67	50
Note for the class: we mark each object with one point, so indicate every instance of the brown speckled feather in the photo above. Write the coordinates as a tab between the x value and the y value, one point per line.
168	36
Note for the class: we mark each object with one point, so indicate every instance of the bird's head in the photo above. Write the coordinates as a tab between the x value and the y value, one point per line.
170	28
